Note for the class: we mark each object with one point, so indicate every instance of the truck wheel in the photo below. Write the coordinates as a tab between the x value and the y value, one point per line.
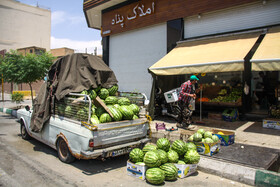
63	151
24	133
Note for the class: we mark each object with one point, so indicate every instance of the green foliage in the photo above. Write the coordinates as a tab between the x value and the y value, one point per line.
19	69
17	97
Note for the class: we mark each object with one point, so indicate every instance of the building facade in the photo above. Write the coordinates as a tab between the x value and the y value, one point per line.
23	25
141	37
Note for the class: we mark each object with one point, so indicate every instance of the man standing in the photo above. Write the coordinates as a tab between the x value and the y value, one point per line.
186	101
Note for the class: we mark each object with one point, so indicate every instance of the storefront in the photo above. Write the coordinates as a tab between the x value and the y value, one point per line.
217	40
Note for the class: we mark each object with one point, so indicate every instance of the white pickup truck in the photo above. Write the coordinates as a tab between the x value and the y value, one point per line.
78	139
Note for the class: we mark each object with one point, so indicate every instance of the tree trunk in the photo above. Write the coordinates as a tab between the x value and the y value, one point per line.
30	85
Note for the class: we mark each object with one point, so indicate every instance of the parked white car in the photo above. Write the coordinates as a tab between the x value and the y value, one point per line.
74	139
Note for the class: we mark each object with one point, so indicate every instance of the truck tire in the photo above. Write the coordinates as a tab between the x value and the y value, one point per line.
24	133
63	152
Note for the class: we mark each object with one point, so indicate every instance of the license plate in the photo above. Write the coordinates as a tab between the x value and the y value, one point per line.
120	151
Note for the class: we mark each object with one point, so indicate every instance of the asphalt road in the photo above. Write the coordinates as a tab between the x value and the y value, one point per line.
31	163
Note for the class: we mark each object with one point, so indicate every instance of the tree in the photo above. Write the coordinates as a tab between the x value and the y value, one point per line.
19	69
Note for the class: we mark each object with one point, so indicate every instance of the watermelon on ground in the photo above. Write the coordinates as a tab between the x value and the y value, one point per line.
164	144
149	147
179	146
191	157
170	170
136	155
155	175
173	156
163	156
152	159
197	137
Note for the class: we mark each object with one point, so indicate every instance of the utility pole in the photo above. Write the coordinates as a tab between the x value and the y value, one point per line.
3	54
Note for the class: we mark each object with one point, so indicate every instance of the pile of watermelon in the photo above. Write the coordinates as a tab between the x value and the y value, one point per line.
162	157
121	108
203	136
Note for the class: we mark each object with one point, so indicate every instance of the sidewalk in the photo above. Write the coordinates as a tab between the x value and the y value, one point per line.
247	133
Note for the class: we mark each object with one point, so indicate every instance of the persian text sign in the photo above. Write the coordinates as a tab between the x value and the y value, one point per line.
125	18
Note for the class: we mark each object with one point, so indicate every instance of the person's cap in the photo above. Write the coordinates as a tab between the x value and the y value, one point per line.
193	77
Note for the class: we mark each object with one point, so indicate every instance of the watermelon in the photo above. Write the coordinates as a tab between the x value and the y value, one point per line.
99	111
215	138
190	146
97	89
179	146
181	162
105	118
135	117
61	109
197	137
92	94
209	140
84	92
207	134
126	112
191	157
134	108
104	93
111	100
190	139
124	101
68	111
152	159
117	106
163	156
170	170
81	114
117	115
140	163
201	131
94	120
173	156
164	144
149	147
155	176
136	155
113	90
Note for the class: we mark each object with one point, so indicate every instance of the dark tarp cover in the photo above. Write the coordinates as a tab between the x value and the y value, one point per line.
71	73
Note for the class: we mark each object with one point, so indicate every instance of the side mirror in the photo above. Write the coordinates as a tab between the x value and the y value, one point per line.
27	108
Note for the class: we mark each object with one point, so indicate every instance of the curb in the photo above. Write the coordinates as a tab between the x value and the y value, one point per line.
9	111
267	178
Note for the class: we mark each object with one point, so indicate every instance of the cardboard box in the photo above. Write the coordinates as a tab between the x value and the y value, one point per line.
208	148
185	170
227	138
271	123
136	170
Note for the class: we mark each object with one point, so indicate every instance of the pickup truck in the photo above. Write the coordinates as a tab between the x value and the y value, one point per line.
76	138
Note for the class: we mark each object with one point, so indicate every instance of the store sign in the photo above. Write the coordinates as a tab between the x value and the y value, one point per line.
126	17
148	12
137	12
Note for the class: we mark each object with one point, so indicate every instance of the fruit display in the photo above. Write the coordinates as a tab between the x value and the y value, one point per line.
233	96
204	136
162	159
